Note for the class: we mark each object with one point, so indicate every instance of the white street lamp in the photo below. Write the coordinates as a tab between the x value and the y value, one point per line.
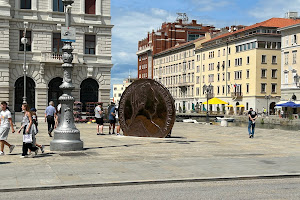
24	41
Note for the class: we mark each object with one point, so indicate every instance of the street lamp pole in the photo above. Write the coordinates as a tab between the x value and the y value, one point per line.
207	89
67	136
207	110
268	97
24	42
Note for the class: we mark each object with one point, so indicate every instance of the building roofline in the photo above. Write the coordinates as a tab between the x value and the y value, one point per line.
289	27
181	46
270	23
223	42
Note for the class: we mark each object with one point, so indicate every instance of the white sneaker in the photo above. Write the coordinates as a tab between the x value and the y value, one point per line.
36	151
11	148
30	156
26	156
1	153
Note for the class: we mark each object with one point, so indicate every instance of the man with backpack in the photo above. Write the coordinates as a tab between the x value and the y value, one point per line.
112	118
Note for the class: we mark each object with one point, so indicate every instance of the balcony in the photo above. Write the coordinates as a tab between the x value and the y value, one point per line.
53	57
236	95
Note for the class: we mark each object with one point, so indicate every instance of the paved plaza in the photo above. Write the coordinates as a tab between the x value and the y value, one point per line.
195	151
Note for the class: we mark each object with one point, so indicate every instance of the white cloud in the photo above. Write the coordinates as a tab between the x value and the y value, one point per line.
159	12
124	57
132	26
204	6
266	9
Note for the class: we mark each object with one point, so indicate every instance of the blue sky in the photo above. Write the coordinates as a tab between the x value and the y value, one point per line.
132	19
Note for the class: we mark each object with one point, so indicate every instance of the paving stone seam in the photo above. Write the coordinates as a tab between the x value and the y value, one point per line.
167	181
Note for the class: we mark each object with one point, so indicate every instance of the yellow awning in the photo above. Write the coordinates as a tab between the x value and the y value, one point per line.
215	101
231	106
240	106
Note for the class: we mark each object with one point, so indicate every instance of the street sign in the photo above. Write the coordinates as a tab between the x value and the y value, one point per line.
68	34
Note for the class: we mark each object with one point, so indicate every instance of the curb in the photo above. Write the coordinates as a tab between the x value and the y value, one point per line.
199	180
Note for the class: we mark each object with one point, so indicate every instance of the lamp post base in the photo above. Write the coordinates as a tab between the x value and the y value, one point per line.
66	141
66	145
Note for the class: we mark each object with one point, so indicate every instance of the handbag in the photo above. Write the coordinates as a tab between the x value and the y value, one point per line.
27	138
33	129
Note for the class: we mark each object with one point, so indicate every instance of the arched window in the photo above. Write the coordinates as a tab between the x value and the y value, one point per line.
19	93
88	91
54	92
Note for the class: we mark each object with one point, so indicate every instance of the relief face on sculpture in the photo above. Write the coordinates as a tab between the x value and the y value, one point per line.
146	109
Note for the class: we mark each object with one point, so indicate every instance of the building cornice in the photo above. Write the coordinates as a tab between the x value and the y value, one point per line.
289	27
61	22
174	49
222	43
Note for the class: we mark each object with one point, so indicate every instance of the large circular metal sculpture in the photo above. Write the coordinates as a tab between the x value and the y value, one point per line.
146	109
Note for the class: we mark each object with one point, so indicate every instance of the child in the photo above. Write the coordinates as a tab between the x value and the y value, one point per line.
35	122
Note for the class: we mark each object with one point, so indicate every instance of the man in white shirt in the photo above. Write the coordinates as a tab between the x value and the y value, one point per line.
99	118
6	123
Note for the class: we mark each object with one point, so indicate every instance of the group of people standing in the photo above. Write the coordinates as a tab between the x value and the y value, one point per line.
112	116
29	127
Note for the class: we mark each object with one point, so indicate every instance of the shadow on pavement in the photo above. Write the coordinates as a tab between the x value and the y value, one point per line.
175	142
125	145
3	163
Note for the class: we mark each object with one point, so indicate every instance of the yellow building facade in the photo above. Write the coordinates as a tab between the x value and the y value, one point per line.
243	67
175	69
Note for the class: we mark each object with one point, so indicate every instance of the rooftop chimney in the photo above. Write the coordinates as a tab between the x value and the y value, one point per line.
291	15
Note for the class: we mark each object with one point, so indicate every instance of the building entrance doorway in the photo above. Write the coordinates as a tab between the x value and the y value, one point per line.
88	92
54	92
19	93
272	108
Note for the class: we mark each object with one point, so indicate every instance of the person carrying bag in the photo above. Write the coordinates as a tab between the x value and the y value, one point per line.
29	131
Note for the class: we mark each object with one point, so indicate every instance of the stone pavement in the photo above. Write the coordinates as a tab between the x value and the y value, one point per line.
195	151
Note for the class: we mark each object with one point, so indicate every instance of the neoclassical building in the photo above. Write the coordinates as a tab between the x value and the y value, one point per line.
290	86
44	20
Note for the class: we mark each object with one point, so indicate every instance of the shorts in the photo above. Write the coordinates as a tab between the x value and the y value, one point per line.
112	121
99	121
117	122
4	133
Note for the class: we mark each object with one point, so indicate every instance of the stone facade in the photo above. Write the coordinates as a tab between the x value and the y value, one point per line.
43	63
290	69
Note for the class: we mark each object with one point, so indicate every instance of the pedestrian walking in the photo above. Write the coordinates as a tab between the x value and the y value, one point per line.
112	118
251	124
50	115
117	121
29	130
58	115
99	118
35	122
6	123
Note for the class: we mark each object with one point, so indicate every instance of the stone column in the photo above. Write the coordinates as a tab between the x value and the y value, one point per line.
98	7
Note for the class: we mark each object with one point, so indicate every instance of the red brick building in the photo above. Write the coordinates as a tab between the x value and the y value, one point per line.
169	35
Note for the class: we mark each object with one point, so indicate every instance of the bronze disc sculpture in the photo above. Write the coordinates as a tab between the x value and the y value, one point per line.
146	109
